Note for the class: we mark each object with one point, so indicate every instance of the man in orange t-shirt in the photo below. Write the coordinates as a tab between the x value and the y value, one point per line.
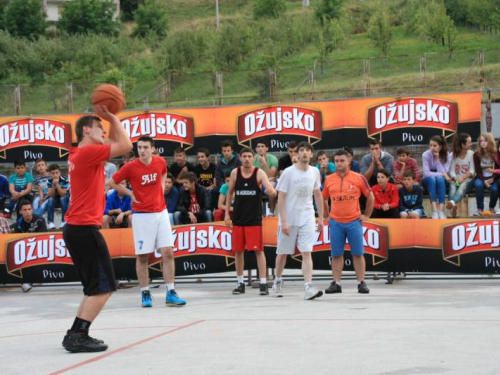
344	188
81	234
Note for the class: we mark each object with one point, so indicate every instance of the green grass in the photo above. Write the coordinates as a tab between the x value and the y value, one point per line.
341	76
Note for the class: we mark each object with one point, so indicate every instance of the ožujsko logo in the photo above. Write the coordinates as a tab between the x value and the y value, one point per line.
35	132
39	249
159	125
279	120
375	241
413	112
199	240
470	237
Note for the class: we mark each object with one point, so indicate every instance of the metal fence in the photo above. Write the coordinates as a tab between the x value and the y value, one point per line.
341	78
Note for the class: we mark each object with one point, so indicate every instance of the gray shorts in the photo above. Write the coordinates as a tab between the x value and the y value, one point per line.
302	237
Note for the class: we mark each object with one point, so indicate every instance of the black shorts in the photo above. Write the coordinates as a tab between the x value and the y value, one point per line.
113	224
90	255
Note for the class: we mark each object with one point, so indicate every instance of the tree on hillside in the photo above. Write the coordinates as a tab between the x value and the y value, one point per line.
89	17
128	8
151	17
331	36
232	44
3	5
268	8
24	18
329	10
380	30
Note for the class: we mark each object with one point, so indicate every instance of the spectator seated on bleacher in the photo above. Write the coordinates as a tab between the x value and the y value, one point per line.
171	197
404	163
58	192
4	226
194	202
325	166
286	161
28	222
354	165
20	186
205	170
109	171
374	161
228	161
462	171
118	211
269	164
436	164
486	165
180	166
386	195
410	197
41	202
4	194
220	212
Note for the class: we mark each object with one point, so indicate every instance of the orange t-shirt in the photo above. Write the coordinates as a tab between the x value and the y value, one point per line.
344	193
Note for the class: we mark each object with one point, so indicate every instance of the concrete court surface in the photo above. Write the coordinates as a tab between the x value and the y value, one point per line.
414	326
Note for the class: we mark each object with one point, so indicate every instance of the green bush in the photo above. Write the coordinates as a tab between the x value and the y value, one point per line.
268	8
24	18
89	17
151	17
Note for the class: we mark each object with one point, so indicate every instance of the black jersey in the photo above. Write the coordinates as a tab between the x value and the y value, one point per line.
247	209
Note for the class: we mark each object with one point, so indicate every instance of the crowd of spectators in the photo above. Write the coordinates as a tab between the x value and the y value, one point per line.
198	193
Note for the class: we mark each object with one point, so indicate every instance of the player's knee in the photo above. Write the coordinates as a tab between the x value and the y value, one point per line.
167	253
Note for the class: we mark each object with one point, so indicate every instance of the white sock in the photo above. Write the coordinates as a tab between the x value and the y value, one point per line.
277	279
240	278
145	289
308	284
170	286
263	280
337	282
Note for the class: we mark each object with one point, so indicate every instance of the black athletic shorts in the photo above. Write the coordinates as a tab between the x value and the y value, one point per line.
90	255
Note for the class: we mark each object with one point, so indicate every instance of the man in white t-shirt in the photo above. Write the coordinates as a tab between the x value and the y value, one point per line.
297	224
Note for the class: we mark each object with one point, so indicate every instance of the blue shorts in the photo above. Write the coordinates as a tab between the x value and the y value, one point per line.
352	231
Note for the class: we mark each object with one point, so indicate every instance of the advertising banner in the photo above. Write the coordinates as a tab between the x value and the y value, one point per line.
462	246
408	120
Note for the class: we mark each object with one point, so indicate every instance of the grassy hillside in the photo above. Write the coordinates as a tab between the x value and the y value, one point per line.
356	69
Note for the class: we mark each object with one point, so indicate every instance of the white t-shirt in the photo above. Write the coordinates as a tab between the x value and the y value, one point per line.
299	187
460	167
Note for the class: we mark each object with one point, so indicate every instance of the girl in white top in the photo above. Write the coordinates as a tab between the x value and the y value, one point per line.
486	176
461	170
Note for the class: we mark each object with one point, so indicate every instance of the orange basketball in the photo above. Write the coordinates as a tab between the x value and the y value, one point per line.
110	96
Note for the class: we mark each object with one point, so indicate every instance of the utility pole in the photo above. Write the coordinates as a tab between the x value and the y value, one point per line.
217	12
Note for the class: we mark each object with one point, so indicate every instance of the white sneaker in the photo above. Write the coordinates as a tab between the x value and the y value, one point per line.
51	226
26	287
497	211
442	215
450	204
61	226
277	291
435	215
312	293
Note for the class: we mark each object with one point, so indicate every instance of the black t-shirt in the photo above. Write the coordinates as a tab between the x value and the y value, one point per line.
175	169
284	162
37	225
205	176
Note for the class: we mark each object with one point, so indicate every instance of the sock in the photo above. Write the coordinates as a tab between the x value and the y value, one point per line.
170	286
240	278
81	325
361	281
263	280
307	285
337	282
145	289
277	279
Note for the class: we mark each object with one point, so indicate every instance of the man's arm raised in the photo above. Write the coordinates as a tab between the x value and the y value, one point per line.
118	137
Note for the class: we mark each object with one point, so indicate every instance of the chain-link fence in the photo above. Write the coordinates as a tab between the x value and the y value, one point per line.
341	78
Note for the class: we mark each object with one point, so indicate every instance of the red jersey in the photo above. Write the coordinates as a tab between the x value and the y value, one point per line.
146	183
86	176
390	195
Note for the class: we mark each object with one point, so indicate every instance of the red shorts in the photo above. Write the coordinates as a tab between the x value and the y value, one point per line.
249	238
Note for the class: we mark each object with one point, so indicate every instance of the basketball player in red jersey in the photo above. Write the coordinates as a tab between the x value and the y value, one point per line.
84	241
246	182
150	222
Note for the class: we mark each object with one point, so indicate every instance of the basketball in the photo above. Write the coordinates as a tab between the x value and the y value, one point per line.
110	96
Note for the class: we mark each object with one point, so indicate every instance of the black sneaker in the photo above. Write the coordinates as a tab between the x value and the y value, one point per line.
264	290
362	288
77	342
66	336
334	288
240	288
